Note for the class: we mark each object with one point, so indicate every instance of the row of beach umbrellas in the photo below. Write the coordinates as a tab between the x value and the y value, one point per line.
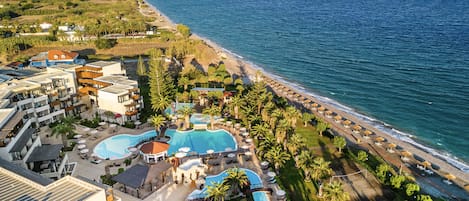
310	104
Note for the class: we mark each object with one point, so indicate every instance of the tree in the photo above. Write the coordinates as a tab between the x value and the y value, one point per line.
424	198
320	169
382	171
281	132
292	114
184	30
184	81
306	117
236	103
335	192
278	157
397	180
158	121
340	142
64	128
295	144
412	188
141	69
212	112
305	162
362	156
217	191
265	145
259	131
237	179
186	111
161	84
321	126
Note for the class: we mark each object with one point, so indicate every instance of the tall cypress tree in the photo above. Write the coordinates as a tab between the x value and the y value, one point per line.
162	88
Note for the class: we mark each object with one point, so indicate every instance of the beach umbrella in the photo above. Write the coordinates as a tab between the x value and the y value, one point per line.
297	95
450	176
314	105
84	151
86	129
249	140
210	151
81	141
308	101
367	132
328	113
379	139
102	123
245	134
322	108
406	154
248	153
94	132
231	155
338	118
180	154
466	187
112	125
245	146
184	149
347	122
426	164
391	145
357	128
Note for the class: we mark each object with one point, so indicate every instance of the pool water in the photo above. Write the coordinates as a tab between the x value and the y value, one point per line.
200	119
200	140
260	196
116	147
173	109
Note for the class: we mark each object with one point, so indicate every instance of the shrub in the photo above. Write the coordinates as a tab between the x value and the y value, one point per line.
105	43
107	180
120	170
129	124
127	161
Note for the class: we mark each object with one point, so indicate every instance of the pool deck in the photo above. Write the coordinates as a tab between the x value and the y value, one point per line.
171	190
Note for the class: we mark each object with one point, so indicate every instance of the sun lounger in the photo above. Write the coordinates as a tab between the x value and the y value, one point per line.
96	161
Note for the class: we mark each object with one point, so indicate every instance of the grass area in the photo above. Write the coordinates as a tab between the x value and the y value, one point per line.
291	179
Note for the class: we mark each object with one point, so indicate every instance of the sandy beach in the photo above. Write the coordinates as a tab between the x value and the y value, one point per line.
239	67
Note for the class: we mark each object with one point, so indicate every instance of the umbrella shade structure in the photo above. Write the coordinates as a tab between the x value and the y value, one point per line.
245	147
184	149
271	174
180	154
367	132
112	125
231	155
314	105
77	136
322	108
81	141
102	123
210	151
406	154
357	128
379	139
392	145
243	129
347	122
338	118
450	177
84	151
137	123
94	132
81	146
328	112
245	134
86	129
426	164
249	140
248	153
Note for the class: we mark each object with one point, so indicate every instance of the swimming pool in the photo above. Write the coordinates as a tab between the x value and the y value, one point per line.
260	196
116	147
175	107
200	140
254	180
200	119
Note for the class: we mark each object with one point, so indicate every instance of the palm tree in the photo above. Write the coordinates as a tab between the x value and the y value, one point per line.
320	169
254	119
281	132
217	191
212	112
295	144
306	117
259	131
237	179
267	110
305	162
160	103
265	145
64	128
276	115
236	103
292	114
158	121
340	142
278	157
186	111
184	81
322	126
335	192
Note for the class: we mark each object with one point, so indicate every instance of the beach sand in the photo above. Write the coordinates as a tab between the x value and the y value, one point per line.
247	71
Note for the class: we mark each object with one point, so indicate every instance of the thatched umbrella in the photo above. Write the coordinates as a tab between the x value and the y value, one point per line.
329	114
367	133
357	128
391	147
315	105
347	123
450	176
379	139
466	187
426	164
297	95
321	109
307	100
338	118
406	154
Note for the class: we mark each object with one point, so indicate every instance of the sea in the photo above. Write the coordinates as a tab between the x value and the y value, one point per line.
402	65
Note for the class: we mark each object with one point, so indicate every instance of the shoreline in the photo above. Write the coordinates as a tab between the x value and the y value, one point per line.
236	65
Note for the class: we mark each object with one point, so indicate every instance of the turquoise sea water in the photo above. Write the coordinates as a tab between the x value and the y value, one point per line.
401	65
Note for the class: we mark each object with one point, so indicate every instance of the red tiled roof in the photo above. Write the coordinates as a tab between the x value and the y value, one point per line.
154	147
61	55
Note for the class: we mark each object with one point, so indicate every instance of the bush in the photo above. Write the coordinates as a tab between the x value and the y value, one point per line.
120	170
90	123
128	161
107	180
105	43
129	124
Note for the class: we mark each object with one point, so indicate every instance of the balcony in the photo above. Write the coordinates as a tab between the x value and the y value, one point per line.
87	90
89	74
130	104
136	97
131	113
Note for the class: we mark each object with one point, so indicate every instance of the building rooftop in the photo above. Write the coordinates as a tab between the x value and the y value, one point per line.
19	183
117	79
101	64
23	140
4	114
117	89
61	55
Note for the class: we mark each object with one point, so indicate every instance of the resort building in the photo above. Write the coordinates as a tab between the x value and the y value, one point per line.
21	184
55	57
121	96
87	74
45	97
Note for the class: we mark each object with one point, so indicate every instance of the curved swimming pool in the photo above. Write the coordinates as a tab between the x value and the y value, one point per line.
200	140
260	196
116	147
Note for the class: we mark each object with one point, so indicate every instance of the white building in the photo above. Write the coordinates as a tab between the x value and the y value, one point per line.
121	97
